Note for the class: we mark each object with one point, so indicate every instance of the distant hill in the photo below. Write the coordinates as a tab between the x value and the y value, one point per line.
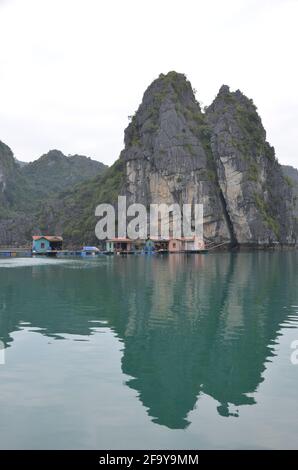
25	188
54	172
291	174
71	213
21	164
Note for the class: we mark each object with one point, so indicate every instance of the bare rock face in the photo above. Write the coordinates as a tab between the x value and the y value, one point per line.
13	225
258	200
168	156
9	174
174	153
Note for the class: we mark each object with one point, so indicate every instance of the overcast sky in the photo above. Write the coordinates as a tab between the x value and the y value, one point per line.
72	71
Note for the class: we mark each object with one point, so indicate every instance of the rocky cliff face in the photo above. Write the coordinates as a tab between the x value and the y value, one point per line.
13	185
176	153
168	154
258	200
14	191
7	168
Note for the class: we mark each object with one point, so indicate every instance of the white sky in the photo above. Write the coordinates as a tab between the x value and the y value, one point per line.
72	71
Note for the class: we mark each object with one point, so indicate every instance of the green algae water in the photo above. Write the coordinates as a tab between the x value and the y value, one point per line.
186	352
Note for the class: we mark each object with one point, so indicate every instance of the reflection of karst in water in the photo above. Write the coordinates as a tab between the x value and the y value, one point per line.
190	325
207	329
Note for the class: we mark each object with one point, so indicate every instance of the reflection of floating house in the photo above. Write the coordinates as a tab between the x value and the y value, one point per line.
45	244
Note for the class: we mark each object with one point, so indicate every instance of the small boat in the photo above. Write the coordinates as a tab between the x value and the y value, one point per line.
90	251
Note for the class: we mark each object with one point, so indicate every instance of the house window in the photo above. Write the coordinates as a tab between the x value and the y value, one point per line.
174	245
42	245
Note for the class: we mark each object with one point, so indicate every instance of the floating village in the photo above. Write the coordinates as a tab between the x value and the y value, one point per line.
52	245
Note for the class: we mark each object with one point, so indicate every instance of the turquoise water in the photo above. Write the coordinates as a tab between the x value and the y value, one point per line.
149	352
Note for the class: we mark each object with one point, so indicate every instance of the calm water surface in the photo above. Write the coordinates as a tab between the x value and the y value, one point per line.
149	352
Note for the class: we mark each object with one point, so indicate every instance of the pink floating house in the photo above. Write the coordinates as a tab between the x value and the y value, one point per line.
186	245
176	245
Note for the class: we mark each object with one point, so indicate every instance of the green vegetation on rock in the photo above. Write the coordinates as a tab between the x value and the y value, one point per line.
267	215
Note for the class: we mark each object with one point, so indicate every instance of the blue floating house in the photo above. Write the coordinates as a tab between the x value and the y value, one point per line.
43	244
149	246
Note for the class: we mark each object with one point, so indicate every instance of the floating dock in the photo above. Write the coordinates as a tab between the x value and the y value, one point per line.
15	253
26	253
